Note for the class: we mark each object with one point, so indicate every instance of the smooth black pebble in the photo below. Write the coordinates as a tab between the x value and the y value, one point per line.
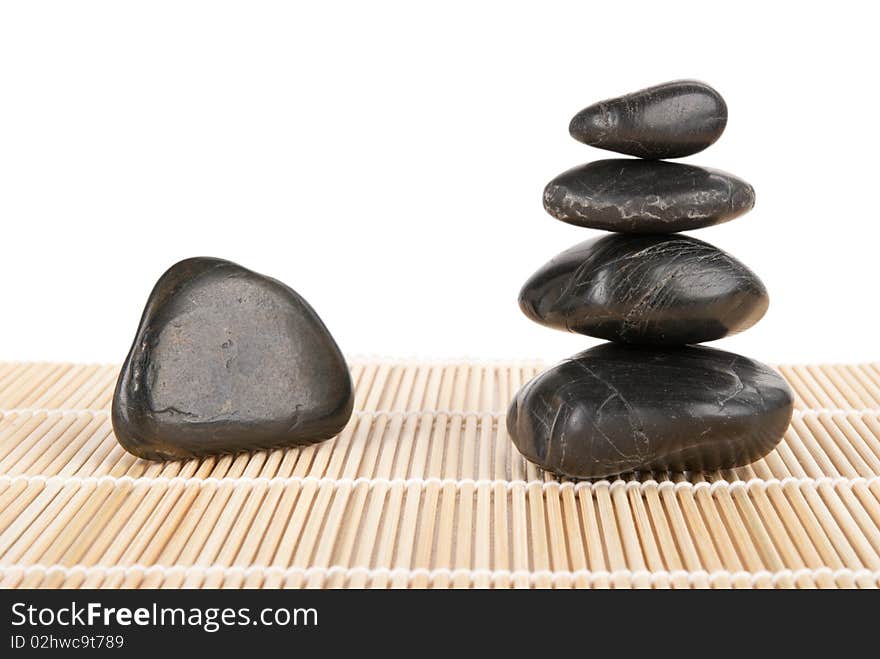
671	120
644	196
616	409
663	290
228	360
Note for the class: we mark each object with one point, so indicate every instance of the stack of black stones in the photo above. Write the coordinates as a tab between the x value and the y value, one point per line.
650	400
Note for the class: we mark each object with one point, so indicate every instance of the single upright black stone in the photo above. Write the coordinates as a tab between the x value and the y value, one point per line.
671	120
228	360
615	409
648	289
645	196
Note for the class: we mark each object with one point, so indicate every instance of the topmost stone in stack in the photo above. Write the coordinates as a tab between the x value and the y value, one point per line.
672	120
648	401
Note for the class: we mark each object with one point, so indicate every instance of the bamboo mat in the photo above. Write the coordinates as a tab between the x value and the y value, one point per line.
423	489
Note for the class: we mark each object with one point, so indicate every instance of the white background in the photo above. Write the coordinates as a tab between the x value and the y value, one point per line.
387	161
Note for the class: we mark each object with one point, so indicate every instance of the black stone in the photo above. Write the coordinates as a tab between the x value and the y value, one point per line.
664	290
644	196
227	360
616	409
671	120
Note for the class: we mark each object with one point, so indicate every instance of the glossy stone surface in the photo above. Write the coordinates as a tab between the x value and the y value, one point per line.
648	289
644	196
671	120
227	360
616	409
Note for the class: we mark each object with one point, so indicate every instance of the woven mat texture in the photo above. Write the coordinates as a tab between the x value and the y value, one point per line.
423	489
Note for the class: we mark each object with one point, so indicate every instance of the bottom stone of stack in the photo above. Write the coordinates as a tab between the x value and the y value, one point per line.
615	409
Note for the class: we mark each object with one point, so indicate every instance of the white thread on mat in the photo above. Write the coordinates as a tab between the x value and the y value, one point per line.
407	413
754	483
697	577
417	360
447	362
56	410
